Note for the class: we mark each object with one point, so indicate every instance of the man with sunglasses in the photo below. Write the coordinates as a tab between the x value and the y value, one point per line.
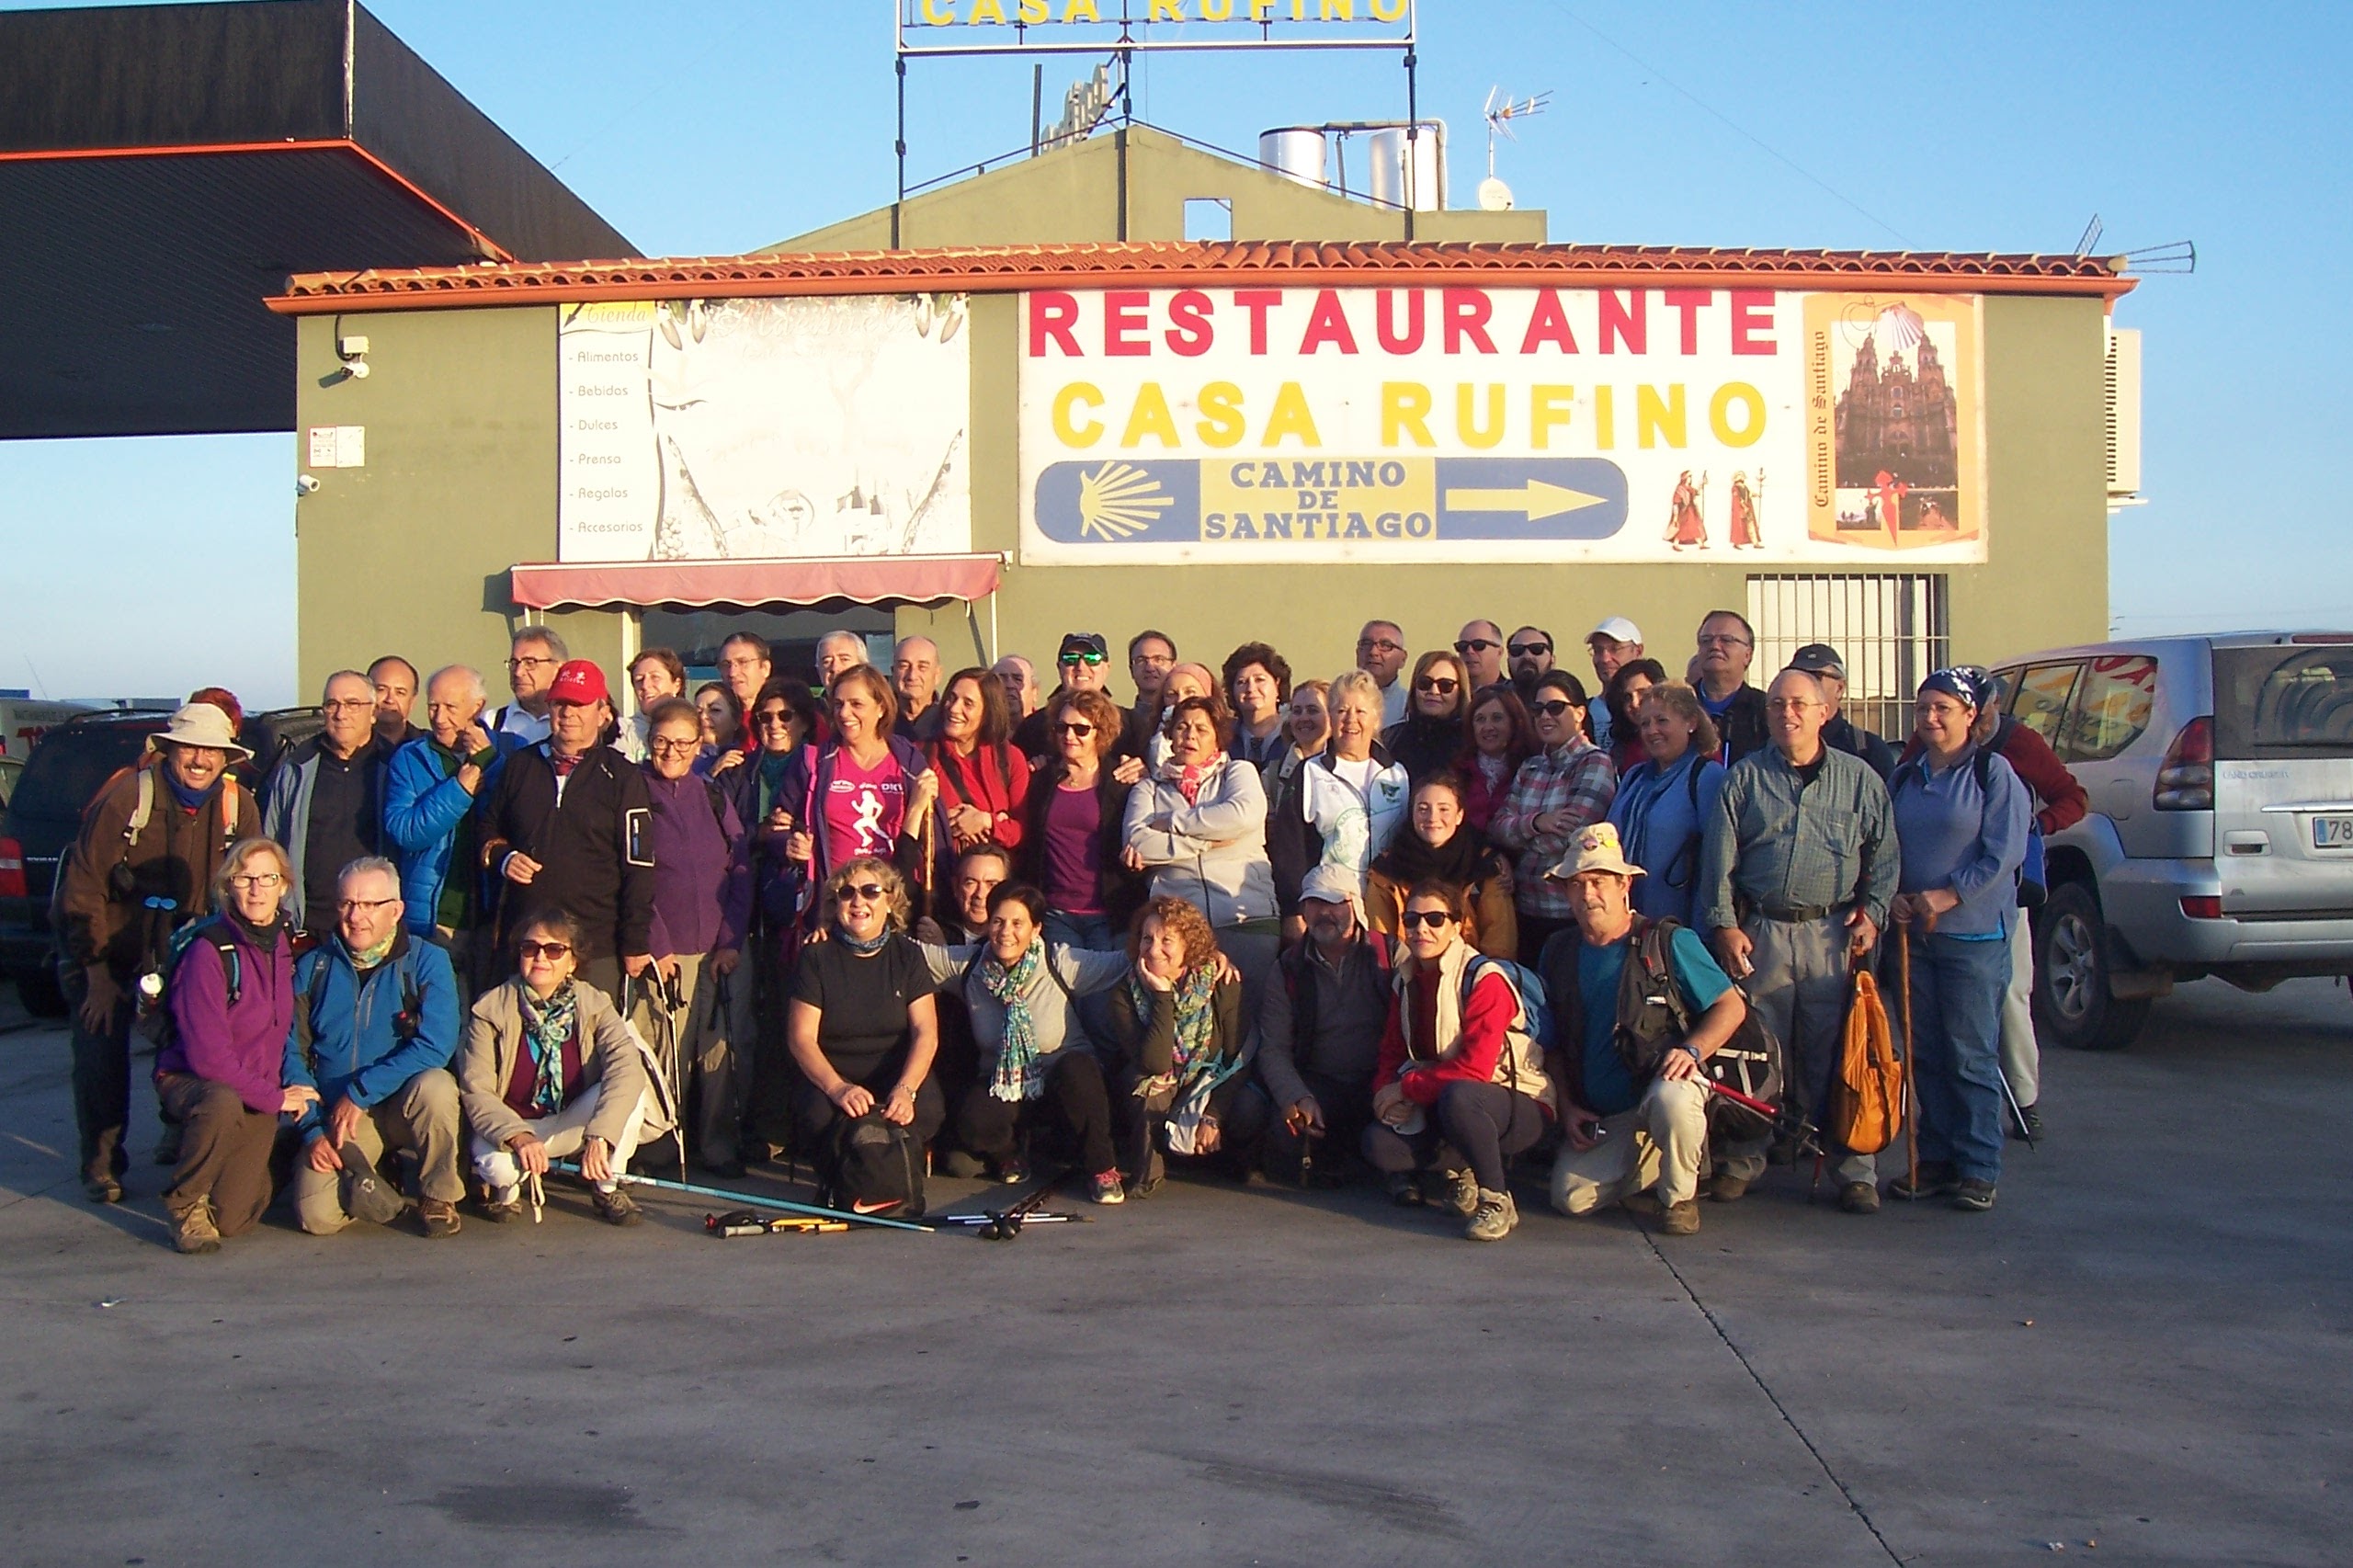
376	1023
1381	653
1078	666
1481	645
1530	649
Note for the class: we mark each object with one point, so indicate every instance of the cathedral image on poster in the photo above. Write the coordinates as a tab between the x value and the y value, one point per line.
1901	423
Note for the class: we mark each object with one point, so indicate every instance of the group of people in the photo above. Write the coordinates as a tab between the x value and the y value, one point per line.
1245	923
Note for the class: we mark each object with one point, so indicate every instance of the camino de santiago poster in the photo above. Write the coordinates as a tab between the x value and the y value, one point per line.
731	429
1464	423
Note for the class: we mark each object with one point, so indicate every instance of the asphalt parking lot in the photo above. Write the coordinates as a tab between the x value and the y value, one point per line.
2144	1347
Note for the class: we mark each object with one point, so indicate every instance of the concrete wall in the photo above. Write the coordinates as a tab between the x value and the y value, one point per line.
409	554
1070	195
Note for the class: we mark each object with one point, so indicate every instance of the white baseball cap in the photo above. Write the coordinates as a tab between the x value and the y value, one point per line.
1618	628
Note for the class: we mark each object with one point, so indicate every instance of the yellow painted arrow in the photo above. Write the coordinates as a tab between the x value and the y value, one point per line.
1536	498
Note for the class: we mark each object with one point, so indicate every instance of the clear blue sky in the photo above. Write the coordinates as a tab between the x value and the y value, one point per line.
714	127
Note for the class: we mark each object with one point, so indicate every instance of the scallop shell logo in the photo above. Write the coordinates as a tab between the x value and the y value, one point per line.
1119	500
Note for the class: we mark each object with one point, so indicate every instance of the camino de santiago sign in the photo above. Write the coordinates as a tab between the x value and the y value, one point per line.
1500	425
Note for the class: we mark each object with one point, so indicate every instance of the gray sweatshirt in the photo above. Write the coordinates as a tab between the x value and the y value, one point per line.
1051	1014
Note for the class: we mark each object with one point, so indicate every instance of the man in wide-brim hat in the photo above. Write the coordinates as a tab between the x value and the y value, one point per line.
143	867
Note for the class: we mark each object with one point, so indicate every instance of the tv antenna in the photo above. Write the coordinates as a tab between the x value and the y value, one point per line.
1494	196
2092	232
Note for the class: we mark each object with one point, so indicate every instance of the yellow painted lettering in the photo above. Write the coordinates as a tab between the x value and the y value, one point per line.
1406	414
986	11
1034	11
936	14
1066	402
1389	10
1466	414
1547	406
1262	10
1604	418
1339	10
1166	11
1291	418
1150	417
1080	11
1655	417
1221	421
1217	10
1752	425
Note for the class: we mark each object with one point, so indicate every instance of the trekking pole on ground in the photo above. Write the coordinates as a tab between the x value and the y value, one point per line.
2011	1096
1911	1058
783	1204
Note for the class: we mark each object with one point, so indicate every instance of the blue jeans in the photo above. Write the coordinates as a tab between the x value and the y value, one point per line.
1957	988
1093	932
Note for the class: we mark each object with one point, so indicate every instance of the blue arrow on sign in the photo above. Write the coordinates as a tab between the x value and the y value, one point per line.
1529	498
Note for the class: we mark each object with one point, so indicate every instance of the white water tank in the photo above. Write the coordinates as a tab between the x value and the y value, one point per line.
1296	152
1421	186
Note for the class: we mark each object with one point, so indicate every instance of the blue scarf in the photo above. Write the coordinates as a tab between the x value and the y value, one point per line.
863	949
1017	1076
547	1029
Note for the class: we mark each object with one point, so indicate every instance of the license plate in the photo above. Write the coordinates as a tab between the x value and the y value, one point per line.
2333	832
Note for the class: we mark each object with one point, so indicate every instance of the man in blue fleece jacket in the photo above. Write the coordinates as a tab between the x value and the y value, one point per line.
375	1028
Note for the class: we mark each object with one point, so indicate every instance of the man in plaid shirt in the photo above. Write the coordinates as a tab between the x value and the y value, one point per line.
1799	864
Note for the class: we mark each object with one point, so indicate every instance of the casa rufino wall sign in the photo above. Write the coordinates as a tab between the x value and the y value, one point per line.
1500	424
725	429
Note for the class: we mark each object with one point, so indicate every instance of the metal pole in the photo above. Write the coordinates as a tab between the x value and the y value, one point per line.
900	200
1120	140
1036	103
1412	131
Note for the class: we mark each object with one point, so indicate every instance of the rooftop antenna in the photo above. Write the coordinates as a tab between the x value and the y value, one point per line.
2092	232
1494	196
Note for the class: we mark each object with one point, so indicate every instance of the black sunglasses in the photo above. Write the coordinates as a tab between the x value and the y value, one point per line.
1432	919
543	949
1475	644
1553	709
1439	683
1529	650
1068	729
869	891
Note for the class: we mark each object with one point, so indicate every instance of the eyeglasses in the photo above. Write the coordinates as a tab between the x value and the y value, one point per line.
775	716
360	905
349	705
1439	683
1069	729
1529	650
1791	704
1432	919
522	662
1723	639
257	880
866	892
676	749
1085	656
1553	709
1469	645
548	950
1379	645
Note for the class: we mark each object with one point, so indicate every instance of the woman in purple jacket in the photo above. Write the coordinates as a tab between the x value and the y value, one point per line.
217	1073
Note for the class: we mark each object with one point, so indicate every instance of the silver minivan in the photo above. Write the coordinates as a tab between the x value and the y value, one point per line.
2219	839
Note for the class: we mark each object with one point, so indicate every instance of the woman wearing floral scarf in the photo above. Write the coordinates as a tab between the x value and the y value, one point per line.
1178	1028
548	1070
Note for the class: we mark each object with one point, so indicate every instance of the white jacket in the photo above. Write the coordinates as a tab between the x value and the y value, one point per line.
1212	854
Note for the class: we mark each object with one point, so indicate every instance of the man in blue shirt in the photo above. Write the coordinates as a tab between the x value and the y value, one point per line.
1635	1101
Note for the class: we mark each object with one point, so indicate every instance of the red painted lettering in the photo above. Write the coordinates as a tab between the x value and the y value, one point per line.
1051	314
1622	320
1467	311
1257	301
1751	313
1549	324
1327	323
1689	303
1190	331
1124	325
1392	340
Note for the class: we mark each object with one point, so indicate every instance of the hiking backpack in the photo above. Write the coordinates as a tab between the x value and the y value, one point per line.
1534	1017
156	1021
2031	878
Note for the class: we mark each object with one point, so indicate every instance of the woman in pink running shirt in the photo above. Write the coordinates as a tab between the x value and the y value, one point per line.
864	792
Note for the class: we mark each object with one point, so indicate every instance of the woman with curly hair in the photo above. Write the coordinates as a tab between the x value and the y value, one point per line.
1177	1023
863	1025
1073	833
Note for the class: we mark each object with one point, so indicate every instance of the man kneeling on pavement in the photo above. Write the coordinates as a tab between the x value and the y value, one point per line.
375	1027
1636	1110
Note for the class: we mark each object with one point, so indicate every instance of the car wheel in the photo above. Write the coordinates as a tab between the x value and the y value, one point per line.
2072	1004
38	990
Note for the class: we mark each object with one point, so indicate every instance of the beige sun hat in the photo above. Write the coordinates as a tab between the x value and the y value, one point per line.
1594	849
201	724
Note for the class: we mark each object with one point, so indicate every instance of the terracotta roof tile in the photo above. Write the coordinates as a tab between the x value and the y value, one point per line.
1004	269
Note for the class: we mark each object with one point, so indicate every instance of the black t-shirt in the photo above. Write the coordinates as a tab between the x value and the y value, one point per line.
343	827
864	1001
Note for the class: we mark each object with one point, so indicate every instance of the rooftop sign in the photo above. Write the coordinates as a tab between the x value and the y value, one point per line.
1005	27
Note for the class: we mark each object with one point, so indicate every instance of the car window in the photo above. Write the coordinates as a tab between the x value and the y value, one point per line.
2040	699
2120	691
2283	701
69	764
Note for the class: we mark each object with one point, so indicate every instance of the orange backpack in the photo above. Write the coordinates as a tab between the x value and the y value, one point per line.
1867	1102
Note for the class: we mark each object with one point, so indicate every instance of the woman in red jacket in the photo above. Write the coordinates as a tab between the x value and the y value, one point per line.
1459	1088
984	777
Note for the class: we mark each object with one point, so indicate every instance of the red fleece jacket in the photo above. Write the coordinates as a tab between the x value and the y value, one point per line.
1486	1015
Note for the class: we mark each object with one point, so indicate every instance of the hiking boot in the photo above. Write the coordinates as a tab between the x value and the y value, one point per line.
167	1144
501	1212
615	1207
1492	1215
439	1216
2026	1126
1406	1190
1936	1177
1105	1187
1725	1187
102	1190
1014	1172
965	1166
1680	1219
1972	1195
1458	1192
1858	1197
1643	1205
193	1230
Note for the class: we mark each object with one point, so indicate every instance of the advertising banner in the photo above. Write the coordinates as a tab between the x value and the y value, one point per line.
711	430
1499	424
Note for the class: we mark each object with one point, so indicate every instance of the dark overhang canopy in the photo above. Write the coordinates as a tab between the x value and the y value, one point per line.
165	168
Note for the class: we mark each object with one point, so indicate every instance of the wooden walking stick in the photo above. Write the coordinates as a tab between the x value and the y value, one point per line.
1911	1059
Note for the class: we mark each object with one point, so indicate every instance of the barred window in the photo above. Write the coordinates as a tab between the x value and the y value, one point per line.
1892	631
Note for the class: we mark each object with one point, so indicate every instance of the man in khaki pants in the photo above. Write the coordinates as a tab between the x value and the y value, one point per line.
1635	1103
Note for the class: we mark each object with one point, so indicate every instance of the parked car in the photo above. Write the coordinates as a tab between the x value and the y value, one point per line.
10	766
44	811
2219	836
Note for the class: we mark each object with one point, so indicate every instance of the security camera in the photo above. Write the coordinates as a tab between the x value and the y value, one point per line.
306	484
356	369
